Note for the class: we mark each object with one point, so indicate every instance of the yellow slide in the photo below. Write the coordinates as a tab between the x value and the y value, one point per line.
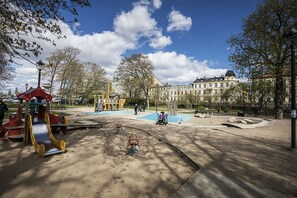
42	138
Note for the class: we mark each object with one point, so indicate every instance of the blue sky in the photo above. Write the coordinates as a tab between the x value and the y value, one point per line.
213	22
184	39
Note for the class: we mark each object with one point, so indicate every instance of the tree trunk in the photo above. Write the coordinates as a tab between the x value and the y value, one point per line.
147	103
279	96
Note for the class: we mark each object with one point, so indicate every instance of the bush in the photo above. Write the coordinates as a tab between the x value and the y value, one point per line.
132	101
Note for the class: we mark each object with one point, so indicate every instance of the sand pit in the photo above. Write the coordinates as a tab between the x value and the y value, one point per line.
95	165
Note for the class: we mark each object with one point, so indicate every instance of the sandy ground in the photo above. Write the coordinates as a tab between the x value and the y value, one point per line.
95	164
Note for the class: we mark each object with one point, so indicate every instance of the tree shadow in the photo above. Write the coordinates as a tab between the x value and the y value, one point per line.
236	166
96	165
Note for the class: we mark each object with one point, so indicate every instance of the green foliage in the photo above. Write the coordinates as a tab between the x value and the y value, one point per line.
136	75
262	47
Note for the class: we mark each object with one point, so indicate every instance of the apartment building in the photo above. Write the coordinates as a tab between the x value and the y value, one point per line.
204	89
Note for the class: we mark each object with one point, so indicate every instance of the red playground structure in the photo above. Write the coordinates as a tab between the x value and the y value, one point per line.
33	106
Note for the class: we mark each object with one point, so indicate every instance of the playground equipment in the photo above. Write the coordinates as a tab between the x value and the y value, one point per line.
42	138
133	145
31	112
118	128
108	102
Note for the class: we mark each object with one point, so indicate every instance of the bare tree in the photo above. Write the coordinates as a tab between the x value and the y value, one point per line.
72	81
6	71
93	79
69	64
56	61
76	79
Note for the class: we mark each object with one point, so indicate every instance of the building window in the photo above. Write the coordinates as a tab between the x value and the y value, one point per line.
199	85
204	85
221	84
216	84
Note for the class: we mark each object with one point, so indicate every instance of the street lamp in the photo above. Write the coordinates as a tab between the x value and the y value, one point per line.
291	35
26	85
39	65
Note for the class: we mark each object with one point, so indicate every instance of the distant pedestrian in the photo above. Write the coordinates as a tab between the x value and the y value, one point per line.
3	109
144	107
135	108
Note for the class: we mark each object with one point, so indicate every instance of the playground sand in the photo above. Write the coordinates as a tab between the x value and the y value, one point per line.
95	165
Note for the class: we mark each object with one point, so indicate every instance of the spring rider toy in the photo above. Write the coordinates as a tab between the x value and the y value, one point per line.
118	128
133	145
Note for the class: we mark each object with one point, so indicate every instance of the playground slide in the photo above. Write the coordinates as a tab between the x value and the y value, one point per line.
42	138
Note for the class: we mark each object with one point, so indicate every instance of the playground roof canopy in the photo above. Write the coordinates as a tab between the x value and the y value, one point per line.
36	92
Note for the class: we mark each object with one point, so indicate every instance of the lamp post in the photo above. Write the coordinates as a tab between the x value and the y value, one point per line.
291	35
157	98
39	65
26	85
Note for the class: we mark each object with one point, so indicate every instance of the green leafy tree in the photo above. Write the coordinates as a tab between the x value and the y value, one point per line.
236	95
130	87
190	99
20	19
93	80
137	69
262	90
261	47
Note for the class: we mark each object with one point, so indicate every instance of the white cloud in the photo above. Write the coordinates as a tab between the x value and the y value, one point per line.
160	42
177	21
107	48
135	24
157	4
174	68
138	23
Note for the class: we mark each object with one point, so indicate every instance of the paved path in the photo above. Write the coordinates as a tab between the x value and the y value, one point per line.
233	162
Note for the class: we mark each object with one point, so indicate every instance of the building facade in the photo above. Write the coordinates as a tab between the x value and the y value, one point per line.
202	89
